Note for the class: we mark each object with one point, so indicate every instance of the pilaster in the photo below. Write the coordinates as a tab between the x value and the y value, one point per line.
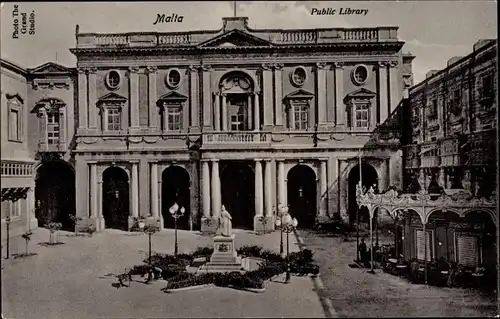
207	98
82	188
383	91
216	189
340	109
206	220
82	100
217	111
323	208
224	112
194	83
92	107
394	86
152	108
267	91
256	112
321	95
134	98
278	97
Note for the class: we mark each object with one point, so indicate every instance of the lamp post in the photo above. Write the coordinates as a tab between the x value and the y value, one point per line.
283	210
150	230
7	223
288	225
176	213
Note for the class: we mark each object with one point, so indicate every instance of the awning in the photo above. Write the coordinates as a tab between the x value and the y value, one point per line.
14	194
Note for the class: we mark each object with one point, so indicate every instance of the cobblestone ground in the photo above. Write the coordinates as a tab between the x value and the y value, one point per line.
356	293
74	280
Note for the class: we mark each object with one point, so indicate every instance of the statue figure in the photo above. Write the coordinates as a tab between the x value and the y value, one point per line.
225	225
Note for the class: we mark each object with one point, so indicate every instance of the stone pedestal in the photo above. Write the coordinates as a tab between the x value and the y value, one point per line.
260	227
208	225
224	258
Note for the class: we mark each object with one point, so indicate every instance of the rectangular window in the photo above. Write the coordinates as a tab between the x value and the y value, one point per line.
53	128
301	116
420	244
467	250
361	116
174	118
15	208
114	119
14	125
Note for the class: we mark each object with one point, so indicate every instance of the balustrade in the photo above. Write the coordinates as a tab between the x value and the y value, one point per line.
246	138
298	37
111	40
360	34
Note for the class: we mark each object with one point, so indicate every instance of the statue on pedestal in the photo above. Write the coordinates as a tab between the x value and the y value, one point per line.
225	226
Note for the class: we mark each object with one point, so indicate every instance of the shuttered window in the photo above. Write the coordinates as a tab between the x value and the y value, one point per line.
420	244
467	249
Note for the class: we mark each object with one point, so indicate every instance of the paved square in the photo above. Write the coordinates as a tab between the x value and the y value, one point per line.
69	281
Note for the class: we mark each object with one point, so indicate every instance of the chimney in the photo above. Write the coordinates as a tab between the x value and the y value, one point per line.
481	43
431	73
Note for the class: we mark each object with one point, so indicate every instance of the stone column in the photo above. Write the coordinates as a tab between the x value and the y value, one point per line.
93	190
249	111
217	111
30	200
82	188
135	190
154	190
421	179
383	105
152	108
206	188
82	99
224	112
278	95
323	190
207	98
267	91
268	188
92	98
344	214
259	209
102	223
281	182
134	97
256	112
321	99
216	195
194	98
42	113
384	180
395	86
339	95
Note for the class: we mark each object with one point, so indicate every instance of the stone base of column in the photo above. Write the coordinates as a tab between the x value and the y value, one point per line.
344	216
323	219
207	128
98	224
194	129
33	223
263	224
150	220
208	225
278	128
267	127
134	130
340	127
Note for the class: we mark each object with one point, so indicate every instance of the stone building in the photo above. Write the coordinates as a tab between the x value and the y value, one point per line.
450	151
241	117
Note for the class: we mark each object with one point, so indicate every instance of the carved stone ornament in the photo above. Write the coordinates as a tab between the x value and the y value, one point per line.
194	67
322	65
206	67
51	84
152	68
338	65
267	66
278	66
133	69
92	70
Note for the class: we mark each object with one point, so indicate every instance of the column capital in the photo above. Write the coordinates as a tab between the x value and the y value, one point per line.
153	162
278	66
258	160
206	160
267	66
383	64
206	67
267	159
82	70
134	162
279	159
256	92
133	69
322	65
323	159
223	94
217	93
194	67
392	64
214	160
91	162
152	69
338	65
92	70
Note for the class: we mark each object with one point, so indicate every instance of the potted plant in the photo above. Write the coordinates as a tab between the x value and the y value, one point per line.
53	228
75	219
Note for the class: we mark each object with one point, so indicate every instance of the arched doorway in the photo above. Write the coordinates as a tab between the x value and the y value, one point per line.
238	191
369	179
55	194
175	189
301	194
236	102
115	202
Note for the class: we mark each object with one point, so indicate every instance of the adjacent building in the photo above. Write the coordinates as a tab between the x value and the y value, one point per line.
245	118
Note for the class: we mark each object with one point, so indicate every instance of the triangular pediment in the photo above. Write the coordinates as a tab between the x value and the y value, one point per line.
234	38
172	97
50	67
299	94
112	97
361	93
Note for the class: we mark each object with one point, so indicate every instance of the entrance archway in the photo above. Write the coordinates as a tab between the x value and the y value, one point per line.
301	194
175	189
55	194
238	191
370	178
115	202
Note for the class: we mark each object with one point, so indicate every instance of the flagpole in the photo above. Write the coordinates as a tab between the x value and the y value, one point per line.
234	8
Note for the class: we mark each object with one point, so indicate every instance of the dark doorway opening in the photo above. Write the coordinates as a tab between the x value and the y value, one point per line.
370	178
238	191
115	202
302	195
175	189
55	194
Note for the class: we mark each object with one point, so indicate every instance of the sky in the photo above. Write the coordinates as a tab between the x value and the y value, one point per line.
434	31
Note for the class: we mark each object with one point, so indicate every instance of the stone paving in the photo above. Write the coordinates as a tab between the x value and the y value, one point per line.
74	280
356	293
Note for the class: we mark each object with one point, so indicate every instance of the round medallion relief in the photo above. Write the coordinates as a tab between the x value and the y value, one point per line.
298	76
173	78
359	74
113	80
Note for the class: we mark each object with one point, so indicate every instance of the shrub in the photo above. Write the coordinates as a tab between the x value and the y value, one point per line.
202	252
250	251
139	270
271	256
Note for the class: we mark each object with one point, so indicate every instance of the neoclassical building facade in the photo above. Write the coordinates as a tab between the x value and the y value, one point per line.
245	118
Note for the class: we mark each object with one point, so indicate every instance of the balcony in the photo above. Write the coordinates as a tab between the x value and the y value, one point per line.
429	155
237	138
55	146
450	151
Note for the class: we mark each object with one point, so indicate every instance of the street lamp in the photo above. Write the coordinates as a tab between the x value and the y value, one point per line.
288	225
176	213
282	210
150	230
7	223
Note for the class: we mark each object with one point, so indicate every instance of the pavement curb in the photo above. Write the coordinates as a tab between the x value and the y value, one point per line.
326	303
